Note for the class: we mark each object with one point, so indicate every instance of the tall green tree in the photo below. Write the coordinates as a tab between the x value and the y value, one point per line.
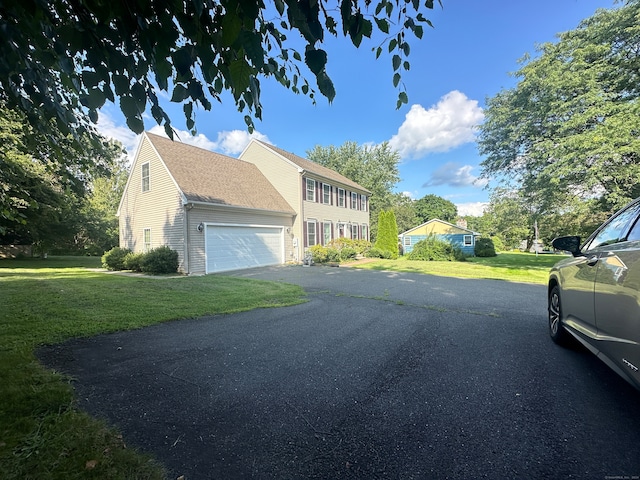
387	239
63	59
432	206
403	208
569	131
375	168
41	195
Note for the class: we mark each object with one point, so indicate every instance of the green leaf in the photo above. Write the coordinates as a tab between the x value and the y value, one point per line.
396	79
392	44
139	95
90	79
279	6
240	72
315	60
406	65
402	99
396	61
325	85
180	93
121	83
383	24
182	61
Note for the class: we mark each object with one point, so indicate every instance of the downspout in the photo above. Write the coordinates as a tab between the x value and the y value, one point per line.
301	226
187	237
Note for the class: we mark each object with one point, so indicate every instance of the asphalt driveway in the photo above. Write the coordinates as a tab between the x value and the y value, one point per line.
379	375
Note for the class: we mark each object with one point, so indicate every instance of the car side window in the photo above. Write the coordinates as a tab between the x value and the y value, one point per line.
615	230
634	233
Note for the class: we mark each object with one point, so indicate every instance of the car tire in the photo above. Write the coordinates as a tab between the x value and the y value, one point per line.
556	331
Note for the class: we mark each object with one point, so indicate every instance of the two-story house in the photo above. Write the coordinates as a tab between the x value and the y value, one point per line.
221	213
328	205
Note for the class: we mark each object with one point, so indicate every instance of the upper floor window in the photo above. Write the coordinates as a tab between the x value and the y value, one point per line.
354	200
311	190
363	201
145	177
341	197
326	193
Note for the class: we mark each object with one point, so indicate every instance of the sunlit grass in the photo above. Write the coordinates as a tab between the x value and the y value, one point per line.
509	266
42	436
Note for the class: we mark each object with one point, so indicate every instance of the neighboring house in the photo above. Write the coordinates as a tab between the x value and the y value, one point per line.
328	205
459	236
220	213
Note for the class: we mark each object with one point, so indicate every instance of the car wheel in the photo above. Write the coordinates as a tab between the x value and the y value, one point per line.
556	330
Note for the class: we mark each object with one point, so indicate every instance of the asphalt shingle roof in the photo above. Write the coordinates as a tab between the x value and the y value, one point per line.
209	177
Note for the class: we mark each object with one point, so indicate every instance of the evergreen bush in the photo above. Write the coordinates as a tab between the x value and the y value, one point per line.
114	258
484	247
387	239
133	261
160	260
434	249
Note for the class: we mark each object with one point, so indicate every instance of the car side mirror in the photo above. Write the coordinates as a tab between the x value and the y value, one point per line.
568	244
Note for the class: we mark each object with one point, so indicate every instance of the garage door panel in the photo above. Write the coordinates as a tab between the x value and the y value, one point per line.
236	247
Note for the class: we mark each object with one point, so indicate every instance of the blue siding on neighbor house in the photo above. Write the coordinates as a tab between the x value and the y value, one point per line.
456	239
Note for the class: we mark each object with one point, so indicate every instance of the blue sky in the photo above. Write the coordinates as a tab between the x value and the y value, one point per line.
457	65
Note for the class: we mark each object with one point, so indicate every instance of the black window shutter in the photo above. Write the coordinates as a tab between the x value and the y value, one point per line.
304	188
321	242
317	191
305	240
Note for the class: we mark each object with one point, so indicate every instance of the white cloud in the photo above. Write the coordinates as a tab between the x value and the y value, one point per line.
228	142
233	142
446	125
454	175
107	127
475	209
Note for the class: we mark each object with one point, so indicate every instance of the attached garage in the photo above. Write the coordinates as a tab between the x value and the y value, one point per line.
233	247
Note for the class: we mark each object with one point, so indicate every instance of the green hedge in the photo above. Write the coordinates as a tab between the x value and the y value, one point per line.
158	260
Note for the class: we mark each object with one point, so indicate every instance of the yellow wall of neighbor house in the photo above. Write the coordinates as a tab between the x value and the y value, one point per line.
159	209
437	228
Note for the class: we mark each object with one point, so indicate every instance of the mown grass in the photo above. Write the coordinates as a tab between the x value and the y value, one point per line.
509	266
42	434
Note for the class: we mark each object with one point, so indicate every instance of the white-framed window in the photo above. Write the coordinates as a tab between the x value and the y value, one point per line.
365	232
354	200
312	238
468	240
363	201
311	189
341	230
354	231
407	241
326	232
341	197
146	239
326	193
146	184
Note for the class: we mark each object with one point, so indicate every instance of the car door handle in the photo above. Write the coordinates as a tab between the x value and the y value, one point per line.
592	260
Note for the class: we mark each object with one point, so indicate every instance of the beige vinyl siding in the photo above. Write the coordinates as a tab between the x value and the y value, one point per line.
281	174
159	209
229	216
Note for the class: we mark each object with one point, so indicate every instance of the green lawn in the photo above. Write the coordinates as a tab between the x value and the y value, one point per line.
42	435
514	267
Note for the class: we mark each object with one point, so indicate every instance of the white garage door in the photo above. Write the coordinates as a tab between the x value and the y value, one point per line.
236	247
